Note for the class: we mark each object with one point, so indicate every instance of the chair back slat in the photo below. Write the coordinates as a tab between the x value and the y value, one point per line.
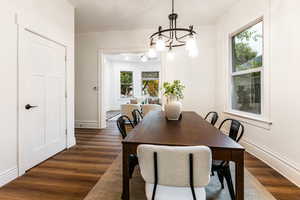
236	130
121	124
214	117
137	116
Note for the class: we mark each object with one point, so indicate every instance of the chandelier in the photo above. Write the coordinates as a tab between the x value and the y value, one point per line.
173	37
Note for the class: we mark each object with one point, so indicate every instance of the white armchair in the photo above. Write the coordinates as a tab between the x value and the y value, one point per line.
126	109
177	173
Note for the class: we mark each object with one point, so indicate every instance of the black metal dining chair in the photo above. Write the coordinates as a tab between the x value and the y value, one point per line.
121	123
137	116
222	168
214	117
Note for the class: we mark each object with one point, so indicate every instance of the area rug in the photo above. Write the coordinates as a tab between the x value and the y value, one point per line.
109	187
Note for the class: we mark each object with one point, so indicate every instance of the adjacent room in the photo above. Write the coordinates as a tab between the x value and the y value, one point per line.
150	100
129	80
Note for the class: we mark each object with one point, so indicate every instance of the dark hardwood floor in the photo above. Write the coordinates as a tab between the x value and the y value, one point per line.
276	184
71	174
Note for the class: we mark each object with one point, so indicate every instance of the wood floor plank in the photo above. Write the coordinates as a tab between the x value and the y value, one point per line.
279	186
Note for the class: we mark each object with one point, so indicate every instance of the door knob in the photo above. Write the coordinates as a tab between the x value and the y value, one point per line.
28	107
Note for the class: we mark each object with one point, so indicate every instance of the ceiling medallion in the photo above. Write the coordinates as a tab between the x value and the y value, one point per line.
173	37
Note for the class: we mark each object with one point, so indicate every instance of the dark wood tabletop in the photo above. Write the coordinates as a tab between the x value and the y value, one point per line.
191	130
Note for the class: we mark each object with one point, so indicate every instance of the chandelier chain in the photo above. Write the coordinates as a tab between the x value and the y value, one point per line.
172	6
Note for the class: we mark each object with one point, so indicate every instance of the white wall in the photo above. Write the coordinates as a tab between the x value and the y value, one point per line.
196	73
276	144
54	19
87	59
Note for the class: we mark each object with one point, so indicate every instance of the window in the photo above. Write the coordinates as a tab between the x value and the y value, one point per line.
150	84
247	69
126	79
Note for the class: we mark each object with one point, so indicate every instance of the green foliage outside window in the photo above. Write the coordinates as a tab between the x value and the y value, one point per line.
246	50
151	88
150	84
126	79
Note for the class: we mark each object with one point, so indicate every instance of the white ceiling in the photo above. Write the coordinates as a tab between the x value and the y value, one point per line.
99	15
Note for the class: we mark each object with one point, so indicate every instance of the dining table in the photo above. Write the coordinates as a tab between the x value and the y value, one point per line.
190	130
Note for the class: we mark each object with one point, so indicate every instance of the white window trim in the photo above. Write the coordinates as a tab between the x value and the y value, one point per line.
264	116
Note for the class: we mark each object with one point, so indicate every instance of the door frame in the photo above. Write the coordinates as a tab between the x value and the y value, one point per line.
20	141
101	121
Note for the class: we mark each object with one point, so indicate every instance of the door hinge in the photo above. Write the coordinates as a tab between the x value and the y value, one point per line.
66	58
66	132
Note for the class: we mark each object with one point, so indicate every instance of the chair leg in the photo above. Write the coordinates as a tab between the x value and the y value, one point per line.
221	178
228	178
212	173
133	161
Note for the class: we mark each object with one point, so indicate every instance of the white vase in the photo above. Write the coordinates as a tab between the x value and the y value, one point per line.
173	108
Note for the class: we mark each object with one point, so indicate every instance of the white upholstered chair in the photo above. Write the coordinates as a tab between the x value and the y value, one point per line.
126	109
146	108
179	173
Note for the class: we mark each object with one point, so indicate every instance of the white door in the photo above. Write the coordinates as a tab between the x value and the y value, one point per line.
42	118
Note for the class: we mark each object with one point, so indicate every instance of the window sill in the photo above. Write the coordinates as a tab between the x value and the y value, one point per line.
254	121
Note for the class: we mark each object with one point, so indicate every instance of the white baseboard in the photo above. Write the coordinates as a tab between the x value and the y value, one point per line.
71	142
281	165
8	175
86	124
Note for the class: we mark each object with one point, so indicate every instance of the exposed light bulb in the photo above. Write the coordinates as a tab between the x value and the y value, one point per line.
170	55
191	44
144	58
160	44
127	58
194	52
152	52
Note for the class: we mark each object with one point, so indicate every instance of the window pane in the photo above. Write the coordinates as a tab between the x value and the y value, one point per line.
150	87
150	84
247	48
246	94
126	79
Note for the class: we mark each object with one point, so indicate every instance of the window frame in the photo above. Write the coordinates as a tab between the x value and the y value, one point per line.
261	69
127	97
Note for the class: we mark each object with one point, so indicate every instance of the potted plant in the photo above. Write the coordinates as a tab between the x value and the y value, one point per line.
174	93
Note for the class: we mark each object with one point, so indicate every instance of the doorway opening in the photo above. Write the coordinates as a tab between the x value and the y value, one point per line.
128	78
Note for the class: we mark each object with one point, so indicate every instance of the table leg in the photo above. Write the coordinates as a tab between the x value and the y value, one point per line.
239	176
125	194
